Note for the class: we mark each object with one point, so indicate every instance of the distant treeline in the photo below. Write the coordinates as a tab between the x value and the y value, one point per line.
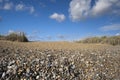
15	36
113	40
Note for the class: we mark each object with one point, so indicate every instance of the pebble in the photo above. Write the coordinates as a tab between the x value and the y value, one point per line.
37	77
3	75
35	64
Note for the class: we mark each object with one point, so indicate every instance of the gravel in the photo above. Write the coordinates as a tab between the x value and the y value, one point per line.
20	62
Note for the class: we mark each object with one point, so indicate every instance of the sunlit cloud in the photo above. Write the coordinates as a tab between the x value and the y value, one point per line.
8	6
58	17
112	27
19	7
82	9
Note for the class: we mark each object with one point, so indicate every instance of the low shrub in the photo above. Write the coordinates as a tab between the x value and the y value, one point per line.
15	36
113	40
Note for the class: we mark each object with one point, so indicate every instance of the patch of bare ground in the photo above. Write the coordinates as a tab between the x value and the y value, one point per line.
58	61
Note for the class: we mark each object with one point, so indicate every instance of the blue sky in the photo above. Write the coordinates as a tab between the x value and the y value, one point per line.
53	20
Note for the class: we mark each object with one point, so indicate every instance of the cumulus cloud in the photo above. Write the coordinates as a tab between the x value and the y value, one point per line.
58	17
113	27
8	6
105	6
20	7
79	9
82	9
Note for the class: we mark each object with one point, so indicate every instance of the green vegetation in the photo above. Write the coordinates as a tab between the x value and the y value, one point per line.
15	36
113	40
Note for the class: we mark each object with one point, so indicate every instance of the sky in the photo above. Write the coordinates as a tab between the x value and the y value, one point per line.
60	20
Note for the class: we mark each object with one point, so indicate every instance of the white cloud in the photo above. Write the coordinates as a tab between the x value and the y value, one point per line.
19	7
32	9
112	27
8	6
117	34
82	9
58	17
79	9
105	6
22	7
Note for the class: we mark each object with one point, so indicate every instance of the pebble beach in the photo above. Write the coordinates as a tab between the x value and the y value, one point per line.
58	61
